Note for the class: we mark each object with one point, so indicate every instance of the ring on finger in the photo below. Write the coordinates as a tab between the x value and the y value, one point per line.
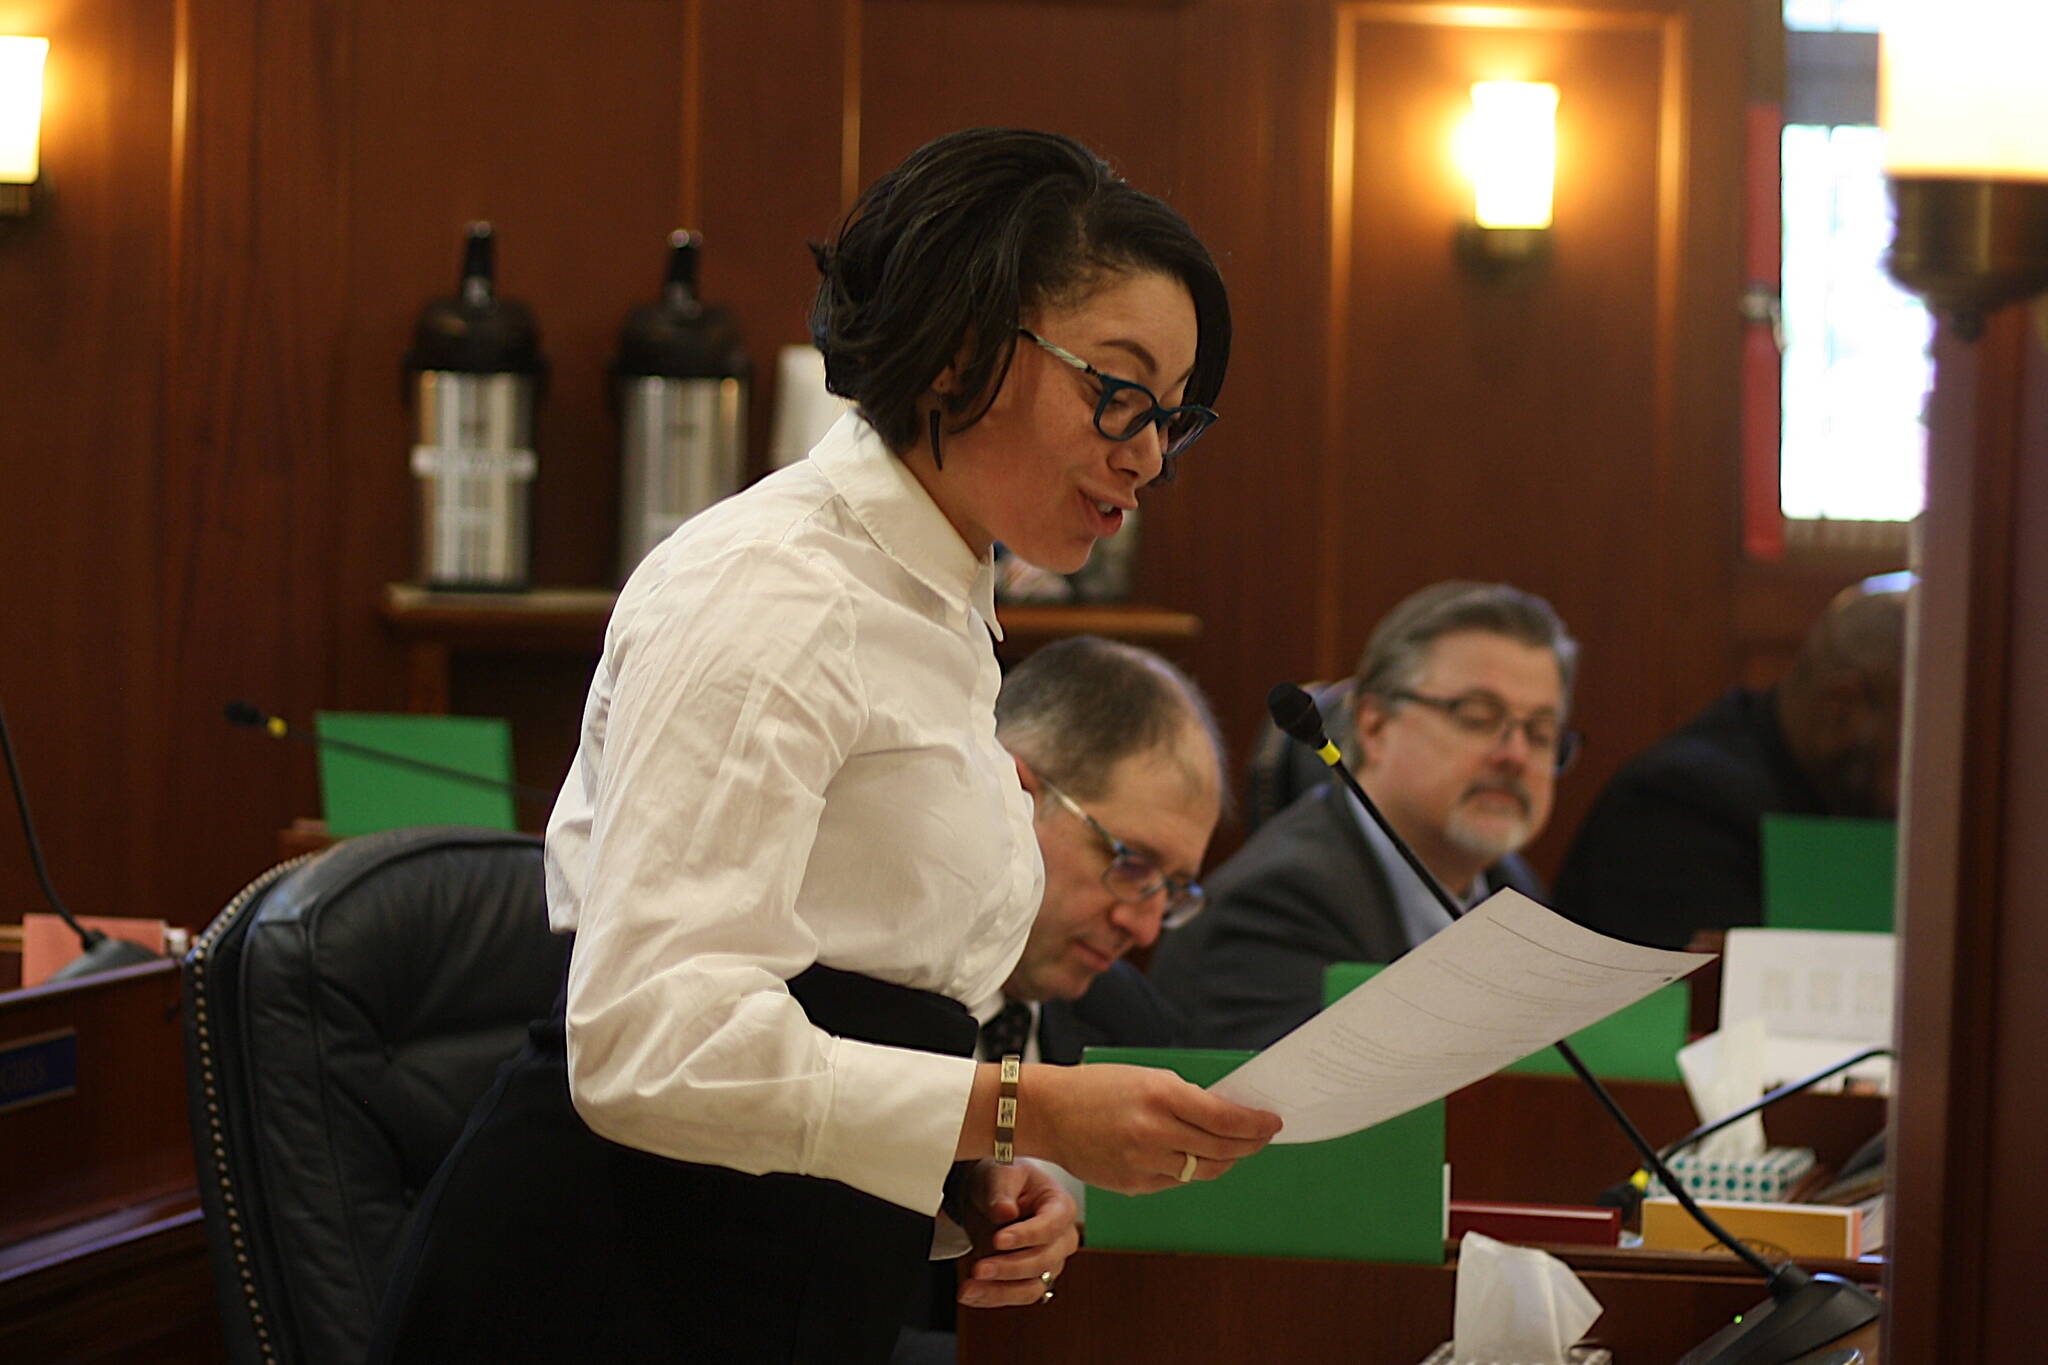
1187	1168
1045	1278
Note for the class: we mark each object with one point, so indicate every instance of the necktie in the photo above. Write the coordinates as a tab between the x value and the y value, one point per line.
1007	1032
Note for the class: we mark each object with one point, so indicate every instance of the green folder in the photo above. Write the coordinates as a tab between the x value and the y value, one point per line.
1375	1195
362	795
1824	873
1637	1043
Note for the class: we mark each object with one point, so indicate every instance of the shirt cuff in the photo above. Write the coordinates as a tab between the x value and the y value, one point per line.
893	1121
949	1240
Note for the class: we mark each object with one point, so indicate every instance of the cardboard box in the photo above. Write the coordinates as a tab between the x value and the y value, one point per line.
1776	1230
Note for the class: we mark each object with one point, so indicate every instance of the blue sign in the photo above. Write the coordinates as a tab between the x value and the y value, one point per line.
44	1067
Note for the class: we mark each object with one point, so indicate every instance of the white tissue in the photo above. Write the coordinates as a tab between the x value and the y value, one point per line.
1724	1071
1517	1305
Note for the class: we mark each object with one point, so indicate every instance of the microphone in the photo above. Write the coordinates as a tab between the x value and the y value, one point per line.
99	952
247	714
1805	1310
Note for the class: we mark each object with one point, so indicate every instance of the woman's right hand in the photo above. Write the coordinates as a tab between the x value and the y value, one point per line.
1132	1128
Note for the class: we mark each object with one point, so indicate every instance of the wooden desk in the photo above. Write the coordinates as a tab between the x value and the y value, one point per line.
1515	1137
121	1136
1116	1307
102	1249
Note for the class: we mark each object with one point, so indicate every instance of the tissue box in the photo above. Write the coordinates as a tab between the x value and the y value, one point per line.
1580	1355
1766	1179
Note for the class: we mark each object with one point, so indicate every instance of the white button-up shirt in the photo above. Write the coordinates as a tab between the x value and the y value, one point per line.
788	757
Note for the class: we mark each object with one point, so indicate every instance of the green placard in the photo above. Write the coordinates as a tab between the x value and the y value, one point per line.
1639	1042
363	795
1376	1195
1823	873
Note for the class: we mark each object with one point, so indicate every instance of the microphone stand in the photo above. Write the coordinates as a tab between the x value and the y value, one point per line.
1805	1310
99	952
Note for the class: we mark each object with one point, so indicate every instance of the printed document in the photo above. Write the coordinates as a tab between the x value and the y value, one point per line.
1508	978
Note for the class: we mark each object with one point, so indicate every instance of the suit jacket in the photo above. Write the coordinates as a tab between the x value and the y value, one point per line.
1306	890
1673	844
1120	1009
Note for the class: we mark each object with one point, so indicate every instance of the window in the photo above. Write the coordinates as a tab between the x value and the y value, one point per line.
1856	366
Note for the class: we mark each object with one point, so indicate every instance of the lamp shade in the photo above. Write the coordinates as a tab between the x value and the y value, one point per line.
1510	151
21	108
1962	91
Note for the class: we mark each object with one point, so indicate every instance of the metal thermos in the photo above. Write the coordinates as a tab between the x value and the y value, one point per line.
474	375
681	381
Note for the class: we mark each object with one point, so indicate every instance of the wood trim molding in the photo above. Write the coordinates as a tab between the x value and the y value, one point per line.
690	176
849	106
1955	847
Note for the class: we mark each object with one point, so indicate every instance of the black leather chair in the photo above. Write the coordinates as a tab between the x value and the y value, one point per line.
342	1016
1282	768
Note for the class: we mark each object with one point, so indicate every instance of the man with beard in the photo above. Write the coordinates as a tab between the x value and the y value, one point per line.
1457	729
1673	846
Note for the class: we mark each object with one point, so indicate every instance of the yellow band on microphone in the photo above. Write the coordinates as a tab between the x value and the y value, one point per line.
276	726
1328	753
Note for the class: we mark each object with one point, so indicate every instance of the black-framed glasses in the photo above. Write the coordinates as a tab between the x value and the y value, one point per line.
1485	716
1126	408
1132	877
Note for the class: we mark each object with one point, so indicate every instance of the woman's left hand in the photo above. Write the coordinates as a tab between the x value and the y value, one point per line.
1023	1226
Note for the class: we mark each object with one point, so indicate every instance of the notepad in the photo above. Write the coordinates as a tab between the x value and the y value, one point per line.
1374	1195
362	795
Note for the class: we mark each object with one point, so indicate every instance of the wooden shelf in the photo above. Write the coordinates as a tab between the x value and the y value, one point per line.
544	619
1139	625
434	626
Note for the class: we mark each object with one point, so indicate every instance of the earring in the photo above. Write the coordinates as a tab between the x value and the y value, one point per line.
938	455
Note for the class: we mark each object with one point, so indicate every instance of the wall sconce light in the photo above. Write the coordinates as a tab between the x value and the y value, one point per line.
1509	148
21	122
1965	113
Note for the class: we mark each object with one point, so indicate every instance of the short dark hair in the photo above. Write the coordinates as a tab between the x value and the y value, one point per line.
953	246
1078	707
1393	657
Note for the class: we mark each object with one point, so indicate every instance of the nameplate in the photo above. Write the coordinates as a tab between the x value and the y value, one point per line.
44	1067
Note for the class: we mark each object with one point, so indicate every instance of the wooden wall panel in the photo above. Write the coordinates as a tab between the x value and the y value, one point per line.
1237	538
83	317
772	167
211	490
250	496
1528	428
1079	69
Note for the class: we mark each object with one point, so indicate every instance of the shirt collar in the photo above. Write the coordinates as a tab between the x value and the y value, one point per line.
894	508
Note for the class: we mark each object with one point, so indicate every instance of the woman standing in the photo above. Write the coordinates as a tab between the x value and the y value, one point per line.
791	849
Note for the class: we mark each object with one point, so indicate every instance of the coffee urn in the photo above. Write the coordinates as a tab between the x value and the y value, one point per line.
681	381
474	376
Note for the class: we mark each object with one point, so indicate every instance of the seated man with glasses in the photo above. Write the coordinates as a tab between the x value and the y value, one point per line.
1123	762
1457	728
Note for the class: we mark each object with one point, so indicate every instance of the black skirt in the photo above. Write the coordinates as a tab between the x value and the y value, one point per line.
540	1241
